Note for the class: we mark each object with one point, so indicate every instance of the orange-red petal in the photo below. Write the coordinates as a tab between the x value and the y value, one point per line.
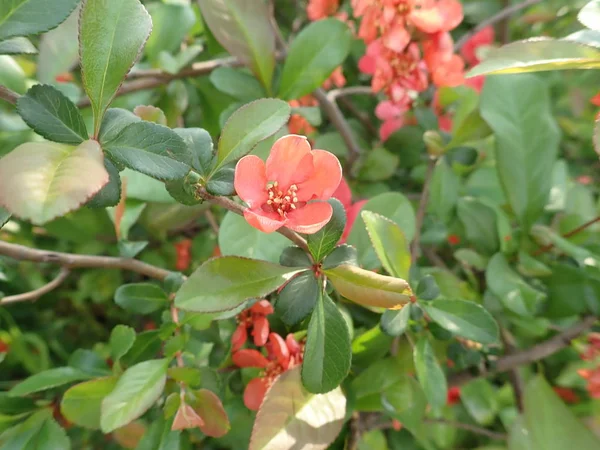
280	349
264	221
249	358
310	218
262	307
325	178
290	161
260	331
255	393
250	181
239	337
343	194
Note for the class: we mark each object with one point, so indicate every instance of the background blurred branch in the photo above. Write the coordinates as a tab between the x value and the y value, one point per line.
37	293
7	95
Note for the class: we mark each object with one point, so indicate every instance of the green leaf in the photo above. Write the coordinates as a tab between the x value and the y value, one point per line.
146	345
81	403
40	431
52	174
427	289
444	191
52	115
110	194
200	147
467	319
141	298
112	34
314	54
343	254
479	398
149	113
17	46
150	148
294	257
479	222
406	402
248	126
255	244
328	354
298	298
389	243
90	362
430	374
536	55
324	241
290	417
240	85
48	379
590	15
59	50
115	120
549	422
368	288
4	217
244	29
24	17
370	384
224	283
165	37
379	165
136	391
221	182
391	205
513	106
122	338
395	322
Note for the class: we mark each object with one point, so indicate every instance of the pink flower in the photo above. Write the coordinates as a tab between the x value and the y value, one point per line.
254	318
479	39
433	16
336	79
320	9
446	68
392	115
291	188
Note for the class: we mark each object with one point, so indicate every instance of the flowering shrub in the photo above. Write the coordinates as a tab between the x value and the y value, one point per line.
320	224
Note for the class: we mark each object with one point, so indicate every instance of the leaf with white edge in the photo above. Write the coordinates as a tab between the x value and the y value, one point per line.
222	284
589	15
141	298
368	288
313	56
48	379
112	34
430	374
324	241
467	319
389	243
328	352
537	55
81	403
248	126
136	391
52	175
52	115
26	17
290	417
151	149
121	340
244	29
17	46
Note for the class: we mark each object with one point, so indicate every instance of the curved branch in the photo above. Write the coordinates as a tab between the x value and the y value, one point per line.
8	95
35	294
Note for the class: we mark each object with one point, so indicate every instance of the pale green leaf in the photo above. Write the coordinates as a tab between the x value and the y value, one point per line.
26	17
81	403
17	46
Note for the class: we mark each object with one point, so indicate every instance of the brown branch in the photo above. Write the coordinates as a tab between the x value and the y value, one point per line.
516	380
573	232
531	355
501	15
414	249
7	95
334	94
73	261
37	293
354	433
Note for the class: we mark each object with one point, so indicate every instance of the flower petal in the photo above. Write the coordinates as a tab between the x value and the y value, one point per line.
263	307
239	337
280	350
343	194
249	358
260	331
251	181
255	393
264	221
310	218
290	161
325	178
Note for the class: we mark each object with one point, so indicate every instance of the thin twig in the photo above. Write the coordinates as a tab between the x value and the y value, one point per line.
334	94
469	427
37	293
533	354
435	258
8	95
573	232
516	380
501	15
210	217
355	432
420	217
362	116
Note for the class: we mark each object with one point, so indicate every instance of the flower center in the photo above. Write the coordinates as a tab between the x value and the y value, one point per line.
282	202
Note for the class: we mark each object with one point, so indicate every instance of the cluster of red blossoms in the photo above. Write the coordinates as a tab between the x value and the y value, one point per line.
282	354
592	376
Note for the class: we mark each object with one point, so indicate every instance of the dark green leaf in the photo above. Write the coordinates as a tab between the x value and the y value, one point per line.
467	319
90	362
294	257
427	289
298	298
444	191
480	224
244	29
136	391
112	34
122	338
248	126
184	190
327	355
115	120
4	216
221	182
152	149
513	106
17	46
395	322
379	165
200	146
141	298
324	241
479	398
110	194
81	403
344	254
40	431
389	243
430	374
47	380
240	85
314	54
406	402
23	17
224	283
146	346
